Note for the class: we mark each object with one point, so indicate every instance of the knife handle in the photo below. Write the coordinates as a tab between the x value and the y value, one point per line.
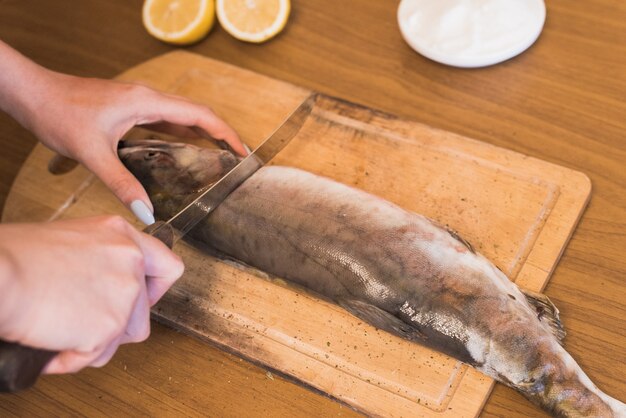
20	365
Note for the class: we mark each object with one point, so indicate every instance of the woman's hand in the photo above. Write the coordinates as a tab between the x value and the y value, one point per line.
81	287
84	119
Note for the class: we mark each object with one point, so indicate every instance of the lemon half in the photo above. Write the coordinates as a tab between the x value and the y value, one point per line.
253	20
180	22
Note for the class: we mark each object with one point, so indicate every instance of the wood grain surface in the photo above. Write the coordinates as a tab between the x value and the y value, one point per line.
517	211
562	101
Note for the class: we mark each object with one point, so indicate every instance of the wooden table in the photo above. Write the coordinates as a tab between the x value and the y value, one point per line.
563	101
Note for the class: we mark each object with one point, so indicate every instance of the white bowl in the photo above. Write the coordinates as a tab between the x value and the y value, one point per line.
471	33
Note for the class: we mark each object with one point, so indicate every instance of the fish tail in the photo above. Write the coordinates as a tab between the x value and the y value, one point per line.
566	391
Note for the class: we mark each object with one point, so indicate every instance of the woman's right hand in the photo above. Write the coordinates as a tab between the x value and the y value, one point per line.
81	287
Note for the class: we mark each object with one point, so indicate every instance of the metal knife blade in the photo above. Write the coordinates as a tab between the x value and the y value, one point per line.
188	217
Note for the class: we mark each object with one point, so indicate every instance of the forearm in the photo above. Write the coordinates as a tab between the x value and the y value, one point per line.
8	291
22	84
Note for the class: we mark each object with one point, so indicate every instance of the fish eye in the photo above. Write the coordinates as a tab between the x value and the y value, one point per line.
150	155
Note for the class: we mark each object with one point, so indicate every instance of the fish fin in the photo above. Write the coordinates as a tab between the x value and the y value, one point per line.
459	238
547	312
381	319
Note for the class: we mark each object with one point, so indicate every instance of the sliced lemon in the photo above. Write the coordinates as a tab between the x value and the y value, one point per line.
180	22
253	20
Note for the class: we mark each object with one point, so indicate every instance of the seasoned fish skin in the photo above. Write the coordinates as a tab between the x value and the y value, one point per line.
395	269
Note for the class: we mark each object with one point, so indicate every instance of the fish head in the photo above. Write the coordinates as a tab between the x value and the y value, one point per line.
173	173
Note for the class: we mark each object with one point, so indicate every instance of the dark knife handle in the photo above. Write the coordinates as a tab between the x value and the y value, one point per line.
20	366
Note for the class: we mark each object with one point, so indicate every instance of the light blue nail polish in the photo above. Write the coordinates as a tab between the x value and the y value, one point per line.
141	211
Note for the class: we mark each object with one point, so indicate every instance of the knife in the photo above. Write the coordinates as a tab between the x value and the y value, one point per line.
20	365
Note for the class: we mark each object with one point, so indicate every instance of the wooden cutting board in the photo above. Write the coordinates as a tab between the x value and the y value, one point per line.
517	210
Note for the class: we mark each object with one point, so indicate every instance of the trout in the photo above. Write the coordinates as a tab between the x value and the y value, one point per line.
397	270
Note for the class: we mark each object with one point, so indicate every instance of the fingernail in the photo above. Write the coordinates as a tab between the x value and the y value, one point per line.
247	148
141	211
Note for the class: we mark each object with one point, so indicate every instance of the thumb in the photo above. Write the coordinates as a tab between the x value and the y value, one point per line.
124	186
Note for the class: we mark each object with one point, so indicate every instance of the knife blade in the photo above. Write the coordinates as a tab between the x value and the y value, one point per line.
181	223
20	365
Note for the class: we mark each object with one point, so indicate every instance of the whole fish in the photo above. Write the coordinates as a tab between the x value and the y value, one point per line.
397	270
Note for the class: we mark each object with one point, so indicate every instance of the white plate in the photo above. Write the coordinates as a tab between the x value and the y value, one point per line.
471	33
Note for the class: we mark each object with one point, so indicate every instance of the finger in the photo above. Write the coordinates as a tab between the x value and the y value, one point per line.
138	327
157	287
229	136
183	112
107	354
70	362
162	266
124	186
